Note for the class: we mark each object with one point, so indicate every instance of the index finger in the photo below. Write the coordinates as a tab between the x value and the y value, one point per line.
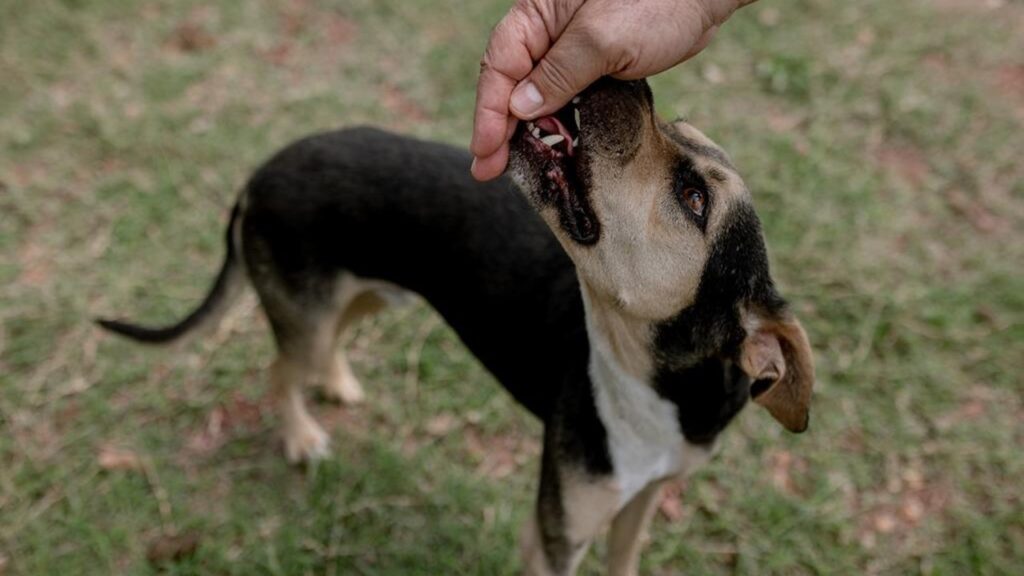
521	38
490	121
506	61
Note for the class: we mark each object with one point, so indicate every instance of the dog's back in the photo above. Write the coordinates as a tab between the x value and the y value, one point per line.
331	218
386	207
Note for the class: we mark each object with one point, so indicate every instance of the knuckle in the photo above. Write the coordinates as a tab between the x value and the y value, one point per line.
557	77
537	13
625	59
485	62
599	37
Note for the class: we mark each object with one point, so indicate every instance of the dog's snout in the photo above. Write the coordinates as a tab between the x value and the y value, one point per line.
613	115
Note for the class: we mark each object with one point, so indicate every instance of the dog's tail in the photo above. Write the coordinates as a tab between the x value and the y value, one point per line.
226	288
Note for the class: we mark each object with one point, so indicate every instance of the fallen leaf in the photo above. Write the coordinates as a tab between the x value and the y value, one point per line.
866	37
191	37
912	510
781	466
402	106
279	54
907	162
913	478
1009	82
671	505
769	17
501	455
339	30
172	547
884	523
114	458
238	413
712	73
977	214
500	466
440	425
783	122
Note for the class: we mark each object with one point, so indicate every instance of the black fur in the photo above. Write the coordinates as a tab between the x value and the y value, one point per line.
698	350
699	149
360	200
216	298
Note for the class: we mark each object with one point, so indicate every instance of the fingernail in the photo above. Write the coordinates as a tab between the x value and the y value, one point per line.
526	99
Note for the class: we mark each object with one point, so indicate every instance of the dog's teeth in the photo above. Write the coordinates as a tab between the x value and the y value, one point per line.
536	132
552	139
577	114
529	126
576	100
575	142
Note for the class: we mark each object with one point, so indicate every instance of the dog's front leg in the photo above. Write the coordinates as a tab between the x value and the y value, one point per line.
628	528
572	507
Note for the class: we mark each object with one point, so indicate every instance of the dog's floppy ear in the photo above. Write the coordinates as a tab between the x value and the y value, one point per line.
777	358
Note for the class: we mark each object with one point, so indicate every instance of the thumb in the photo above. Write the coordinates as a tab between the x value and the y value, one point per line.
571	65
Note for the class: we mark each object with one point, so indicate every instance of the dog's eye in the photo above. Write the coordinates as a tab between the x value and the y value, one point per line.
695	200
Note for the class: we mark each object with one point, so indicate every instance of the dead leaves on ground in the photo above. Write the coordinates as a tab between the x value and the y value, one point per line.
671	504
496	455
167	548
115	458
237	415
169	545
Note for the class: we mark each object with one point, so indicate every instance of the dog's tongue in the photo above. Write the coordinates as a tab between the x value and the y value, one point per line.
551	125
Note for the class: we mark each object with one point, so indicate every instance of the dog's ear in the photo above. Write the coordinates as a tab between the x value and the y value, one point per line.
777	357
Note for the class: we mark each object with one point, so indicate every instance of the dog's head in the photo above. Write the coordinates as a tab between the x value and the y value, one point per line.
668	249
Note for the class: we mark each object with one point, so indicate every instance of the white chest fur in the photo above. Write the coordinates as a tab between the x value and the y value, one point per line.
644	438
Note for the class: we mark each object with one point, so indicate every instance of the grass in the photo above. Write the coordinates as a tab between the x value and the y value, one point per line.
882	143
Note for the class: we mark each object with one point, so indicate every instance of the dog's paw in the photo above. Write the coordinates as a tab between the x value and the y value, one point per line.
306	444
345	389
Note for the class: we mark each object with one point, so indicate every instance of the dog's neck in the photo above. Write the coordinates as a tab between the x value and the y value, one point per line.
617	338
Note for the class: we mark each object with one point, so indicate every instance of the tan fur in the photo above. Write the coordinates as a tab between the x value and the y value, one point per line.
781	353
304	439
627	337
341	384
629	529
588	507
322	361
531	550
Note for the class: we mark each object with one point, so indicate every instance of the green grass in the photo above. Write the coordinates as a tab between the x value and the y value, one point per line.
882	142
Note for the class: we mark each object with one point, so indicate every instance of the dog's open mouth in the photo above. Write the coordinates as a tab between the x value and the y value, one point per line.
559	133
554	146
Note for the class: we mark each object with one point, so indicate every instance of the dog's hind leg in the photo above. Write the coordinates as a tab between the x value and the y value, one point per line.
340	383
305	343
308	322
358	298
304	439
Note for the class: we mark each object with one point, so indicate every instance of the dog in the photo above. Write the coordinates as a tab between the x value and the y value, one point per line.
617	285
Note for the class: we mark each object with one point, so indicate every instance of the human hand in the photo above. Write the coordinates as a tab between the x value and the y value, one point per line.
575	42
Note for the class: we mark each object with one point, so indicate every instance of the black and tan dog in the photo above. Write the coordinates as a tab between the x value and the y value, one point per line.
635	331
